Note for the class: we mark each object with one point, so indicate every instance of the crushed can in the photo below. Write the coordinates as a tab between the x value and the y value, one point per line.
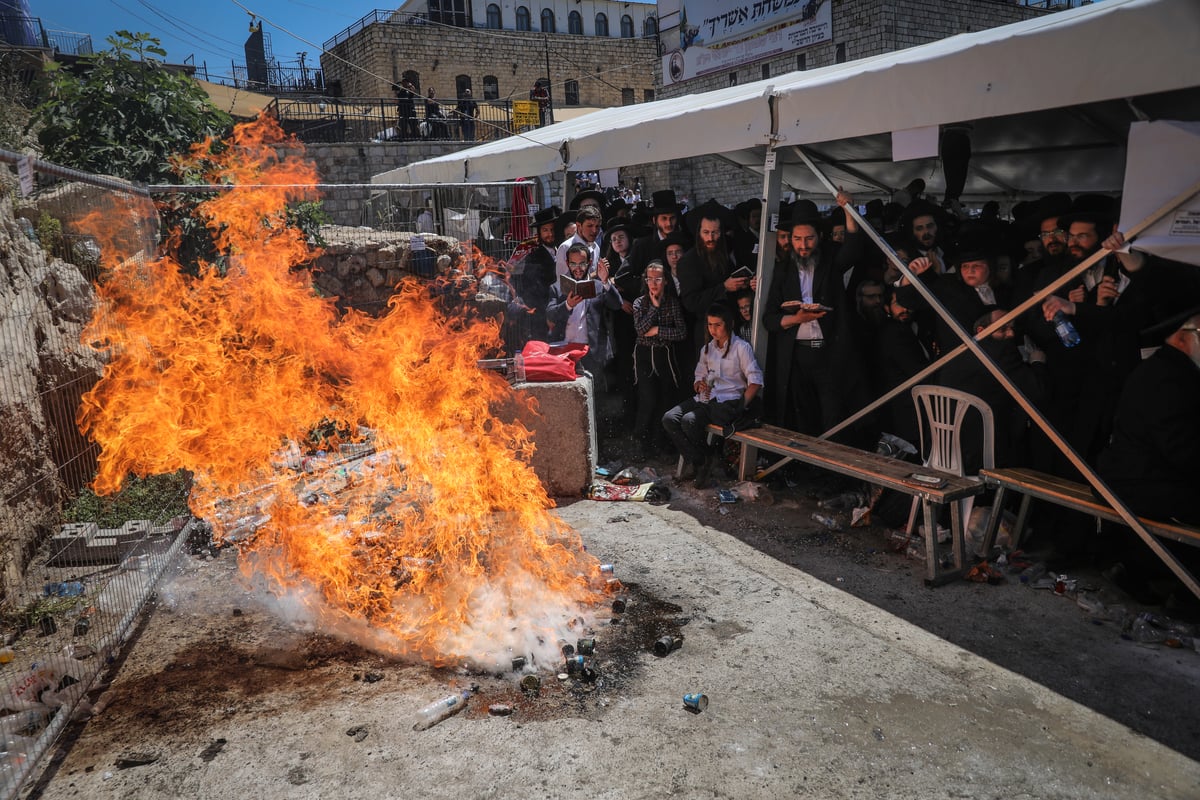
531	685
695	702
665	644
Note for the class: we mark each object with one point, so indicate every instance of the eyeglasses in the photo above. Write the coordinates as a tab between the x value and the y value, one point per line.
1057	233
577	263
654	280
1079	237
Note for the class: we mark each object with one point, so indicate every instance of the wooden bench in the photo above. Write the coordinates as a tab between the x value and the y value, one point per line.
885	471
1069	494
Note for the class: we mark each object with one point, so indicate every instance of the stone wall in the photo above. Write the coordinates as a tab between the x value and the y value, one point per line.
44	303
866	28
382	52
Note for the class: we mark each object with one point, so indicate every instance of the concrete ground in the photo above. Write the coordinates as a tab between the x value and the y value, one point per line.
814	692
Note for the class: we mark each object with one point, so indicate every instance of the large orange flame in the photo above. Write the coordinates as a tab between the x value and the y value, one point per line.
438	543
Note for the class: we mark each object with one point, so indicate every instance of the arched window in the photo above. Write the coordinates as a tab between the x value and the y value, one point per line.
414	78
650	28
575	23
627	97
462	84
602	25
626	27
571	90
493	16
547	21
491	88
523	23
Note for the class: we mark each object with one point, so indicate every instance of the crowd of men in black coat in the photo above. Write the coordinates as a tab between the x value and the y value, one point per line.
843	325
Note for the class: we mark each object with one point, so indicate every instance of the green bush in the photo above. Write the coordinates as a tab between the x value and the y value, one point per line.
157	498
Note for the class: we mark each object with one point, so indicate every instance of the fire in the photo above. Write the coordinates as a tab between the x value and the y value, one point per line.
423	533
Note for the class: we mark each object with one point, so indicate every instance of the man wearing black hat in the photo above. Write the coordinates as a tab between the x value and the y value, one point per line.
538	276
814	374
706	271
665	215
590	197
1152	461
1107	309
921	223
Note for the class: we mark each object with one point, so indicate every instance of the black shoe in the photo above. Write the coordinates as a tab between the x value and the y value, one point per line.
689	470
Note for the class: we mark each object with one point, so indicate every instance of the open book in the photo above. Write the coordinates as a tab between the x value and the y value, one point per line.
742	272
585	288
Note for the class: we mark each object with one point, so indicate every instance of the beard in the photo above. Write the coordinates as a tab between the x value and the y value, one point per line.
807	263
714	259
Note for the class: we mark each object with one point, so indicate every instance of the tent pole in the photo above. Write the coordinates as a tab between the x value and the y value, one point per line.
1099	485
772	182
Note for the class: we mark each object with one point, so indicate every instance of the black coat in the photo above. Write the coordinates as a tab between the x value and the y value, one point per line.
534	287
827	290
1151	462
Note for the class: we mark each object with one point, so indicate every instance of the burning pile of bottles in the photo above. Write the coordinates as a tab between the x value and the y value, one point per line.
580	664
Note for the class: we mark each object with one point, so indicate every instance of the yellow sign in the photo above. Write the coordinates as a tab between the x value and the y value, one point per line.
526	114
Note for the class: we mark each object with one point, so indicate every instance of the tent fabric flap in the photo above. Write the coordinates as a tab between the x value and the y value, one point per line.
1108	50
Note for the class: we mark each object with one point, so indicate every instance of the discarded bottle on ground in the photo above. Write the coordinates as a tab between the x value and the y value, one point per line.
1065	330
438	710
828	521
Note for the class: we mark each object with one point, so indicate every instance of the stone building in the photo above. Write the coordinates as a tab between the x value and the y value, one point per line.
599	53
861	28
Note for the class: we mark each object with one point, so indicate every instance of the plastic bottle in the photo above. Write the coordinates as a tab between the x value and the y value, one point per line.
828	521
1065	330
438	710
24	721
1034	571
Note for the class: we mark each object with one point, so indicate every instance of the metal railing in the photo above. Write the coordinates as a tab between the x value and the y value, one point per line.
21	31
376	119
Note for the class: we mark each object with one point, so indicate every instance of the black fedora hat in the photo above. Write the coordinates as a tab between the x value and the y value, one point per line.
975	242
803	212
560	224
920	208
545	216
1098	209
1057	204
663	202
590	194
710	209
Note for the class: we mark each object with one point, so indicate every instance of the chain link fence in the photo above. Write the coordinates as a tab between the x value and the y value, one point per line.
77	569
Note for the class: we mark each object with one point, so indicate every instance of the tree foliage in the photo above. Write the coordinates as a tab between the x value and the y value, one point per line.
124	113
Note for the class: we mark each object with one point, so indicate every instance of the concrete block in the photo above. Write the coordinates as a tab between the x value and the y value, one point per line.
564	432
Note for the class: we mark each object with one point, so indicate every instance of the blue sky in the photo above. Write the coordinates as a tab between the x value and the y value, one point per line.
212	31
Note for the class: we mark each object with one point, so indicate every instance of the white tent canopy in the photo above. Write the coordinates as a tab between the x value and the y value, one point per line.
1051	89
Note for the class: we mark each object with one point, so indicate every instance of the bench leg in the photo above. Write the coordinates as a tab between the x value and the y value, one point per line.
1022	520
931	542
993	526
957	535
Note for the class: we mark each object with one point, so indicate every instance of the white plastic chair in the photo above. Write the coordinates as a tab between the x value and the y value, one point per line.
942	411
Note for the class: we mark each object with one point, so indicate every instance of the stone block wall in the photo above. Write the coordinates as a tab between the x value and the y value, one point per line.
382	52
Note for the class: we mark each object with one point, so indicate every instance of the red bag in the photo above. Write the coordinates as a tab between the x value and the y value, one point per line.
544	363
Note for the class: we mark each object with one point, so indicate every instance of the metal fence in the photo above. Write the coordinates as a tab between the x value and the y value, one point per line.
22	31
70	591
376	119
